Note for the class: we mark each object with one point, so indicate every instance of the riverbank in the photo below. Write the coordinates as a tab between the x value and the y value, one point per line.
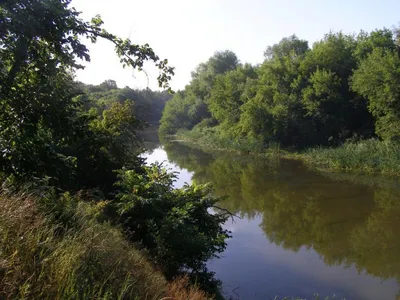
76	257
367	156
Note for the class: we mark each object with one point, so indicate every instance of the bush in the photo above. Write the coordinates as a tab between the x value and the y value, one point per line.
176	226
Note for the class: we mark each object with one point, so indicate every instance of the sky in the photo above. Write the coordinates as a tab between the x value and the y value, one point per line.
188	32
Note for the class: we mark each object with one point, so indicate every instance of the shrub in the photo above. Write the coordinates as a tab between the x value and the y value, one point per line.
177	226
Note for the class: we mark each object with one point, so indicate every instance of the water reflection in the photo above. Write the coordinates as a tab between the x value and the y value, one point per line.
300	232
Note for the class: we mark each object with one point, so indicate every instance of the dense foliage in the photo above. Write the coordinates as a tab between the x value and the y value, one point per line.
60	135
344	87
147	104
173	224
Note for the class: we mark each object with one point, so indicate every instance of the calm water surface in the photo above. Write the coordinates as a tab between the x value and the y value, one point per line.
300	232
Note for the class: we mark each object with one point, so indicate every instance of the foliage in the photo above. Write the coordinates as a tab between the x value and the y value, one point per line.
228	94
178	113
59	134
43	129
147	104
189	107
88	260
210	138
175	225
299	97
367	156
378	79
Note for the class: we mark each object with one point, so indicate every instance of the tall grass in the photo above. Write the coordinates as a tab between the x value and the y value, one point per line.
210	138
367	156
92	260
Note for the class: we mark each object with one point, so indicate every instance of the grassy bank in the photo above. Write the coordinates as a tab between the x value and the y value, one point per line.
210	138
81	258
368	156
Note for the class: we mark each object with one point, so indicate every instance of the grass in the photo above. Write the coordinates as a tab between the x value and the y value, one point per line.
209	138
43	260
369	156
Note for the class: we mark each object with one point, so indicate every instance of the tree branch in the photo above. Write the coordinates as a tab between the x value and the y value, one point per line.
227	212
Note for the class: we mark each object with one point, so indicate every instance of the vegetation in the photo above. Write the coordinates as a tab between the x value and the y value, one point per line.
77	149
367	156
89	260
147	104
343	88
43	258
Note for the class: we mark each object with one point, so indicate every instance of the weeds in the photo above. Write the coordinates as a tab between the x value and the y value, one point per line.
208	138
367	156
92	260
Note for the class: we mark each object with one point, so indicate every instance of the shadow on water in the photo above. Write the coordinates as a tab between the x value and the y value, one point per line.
301	232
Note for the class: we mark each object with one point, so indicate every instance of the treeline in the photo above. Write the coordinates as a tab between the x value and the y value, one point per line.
343	87
147	104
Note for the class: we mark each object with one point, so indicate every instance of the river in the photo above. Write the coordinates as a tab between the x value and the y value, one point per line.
300	232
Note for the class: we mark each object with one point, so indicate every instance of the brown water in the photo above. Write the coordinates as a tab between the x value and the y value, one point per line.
300	232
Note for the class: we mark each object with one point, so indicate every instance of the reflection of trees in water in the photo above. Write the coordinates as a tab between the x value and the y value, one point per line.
345	222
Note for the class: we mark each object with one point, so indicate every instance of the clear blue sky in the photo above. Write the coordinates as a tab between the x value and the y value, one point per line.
188	32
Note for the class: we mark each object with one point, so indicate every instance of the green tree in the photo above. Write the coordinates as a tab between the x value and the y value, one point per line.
178	113
336	111
190	107
291	45
41	122
378	79
49	129
275	113
148	104
367	42
228	94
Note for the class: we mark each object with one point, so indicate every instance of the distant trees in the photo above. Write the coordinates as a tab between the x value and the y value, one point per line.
147	104
344	86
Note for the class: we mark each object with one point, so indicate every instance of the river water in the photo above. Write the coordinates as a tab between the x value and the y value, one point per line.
300	232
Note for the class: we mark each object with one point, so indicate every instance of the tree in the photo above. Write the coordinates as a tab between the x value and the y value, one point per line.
190	107
275	113
367	42
378	79
176	114
336	111
227	95
109	85
53	135
148	104
40	120
291	45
